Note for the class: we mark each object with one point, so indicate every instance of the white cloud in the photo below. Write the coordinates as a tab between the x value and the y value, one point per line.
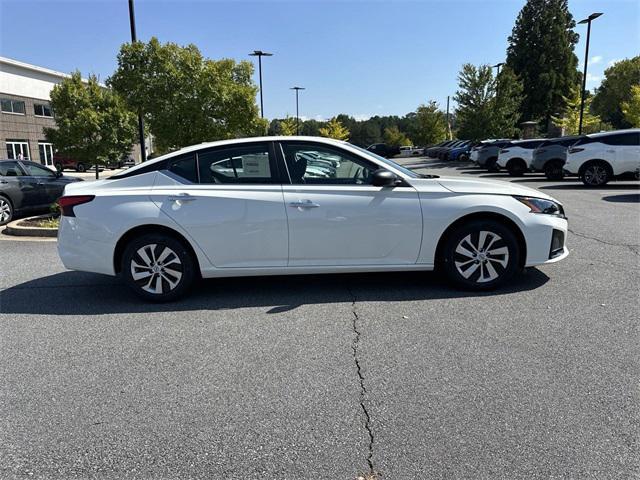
593	78
595	60
362	116
611	63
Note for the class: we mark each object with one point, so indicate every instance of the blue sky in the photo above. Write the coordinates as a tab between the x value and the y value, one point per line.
355	57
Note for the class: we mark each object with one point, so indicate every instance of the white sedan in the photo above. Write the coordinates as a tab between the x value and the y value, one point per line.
254	206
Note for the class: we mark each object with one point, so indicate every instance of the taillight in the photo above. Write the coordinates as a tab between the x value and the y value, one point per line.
575	149
67	203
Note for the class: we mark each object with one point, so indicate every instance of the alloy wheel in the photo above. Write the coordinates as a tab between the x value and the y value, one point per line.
5	211
156	269
481	257
595	175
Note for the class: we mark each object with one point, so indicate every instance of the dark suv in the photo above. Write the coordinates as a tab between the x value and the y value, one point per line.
550	156
487	155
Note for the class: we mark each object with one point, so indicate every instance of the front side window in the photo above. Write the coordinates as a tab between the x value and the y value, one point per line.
37	171
12	106
246	164
322	165
185	167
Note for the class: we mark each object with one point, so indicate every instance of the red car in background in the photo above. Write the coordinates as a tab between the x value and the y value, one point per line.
61	163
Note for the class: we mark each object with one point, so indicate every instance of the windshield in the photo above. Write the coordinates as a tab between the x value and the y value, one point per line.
386	161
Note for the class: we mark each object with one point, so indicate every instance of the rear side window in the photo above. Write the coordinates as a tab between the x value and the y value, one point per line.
245	164
185	167
10	169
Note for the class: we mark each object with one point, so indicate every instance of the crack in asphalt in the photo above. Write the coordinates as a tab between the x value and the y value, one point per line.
363	389
630	246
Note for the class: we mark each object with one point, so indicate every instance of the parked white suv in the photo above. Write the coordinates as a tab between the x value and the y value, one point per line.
600	157
516	156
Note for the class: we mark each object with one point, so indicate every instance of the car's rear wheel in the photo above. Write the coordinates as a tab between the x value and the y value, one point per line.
492	164
158	267
553	170
480	255
6	210
596	174
81	167
516	167
463	157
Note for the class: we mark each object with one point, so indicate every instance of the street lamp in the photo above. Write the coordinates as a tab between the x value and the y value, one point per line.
497	66
588	21
297	89
260	54
132	24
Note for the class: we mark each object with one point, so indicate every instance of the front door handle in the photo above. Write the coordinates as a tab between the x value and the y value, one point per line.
304	204
181	197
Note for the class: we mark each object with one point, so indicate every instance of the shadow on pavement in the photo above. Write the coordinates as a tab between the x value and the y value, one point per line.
581	186
77	293
629	198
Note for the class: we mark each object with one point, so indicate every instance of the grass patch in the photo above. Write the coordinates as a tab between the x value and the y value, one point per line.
47	222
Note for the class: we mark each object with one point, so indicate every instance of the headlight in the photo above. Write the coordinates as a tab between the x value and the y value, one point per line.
541	205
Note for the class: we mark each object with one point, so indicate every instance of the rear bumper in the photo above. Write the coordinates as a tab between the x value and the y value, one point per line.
79	252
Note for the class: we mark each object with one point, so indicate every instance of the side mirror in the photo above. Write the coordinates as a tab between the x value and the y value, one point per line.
58	174
384	178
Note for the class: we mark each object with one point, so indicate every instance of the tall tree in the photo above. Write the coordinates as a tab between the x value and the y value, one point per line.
393	137
631	109
335	129
430	125
569	121
506	104
540	53
185	97
288	126
93	123
475	99
615	90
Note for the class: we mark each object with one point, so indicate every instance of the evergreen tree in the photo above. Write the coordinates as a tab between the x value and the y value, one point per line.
540	53
335	129
476	102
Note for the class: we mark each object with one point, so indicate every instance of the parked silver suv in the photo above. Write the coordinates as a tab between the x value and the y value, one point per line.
550	156
487	155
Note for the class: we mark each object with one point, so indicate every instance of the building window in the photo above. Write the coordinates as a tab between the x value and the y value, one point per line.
12	106
42	110
46	153
18	150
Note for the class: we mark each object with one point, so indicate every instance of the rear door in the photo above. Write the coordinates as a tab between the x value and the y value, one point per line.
229	200
16	185
625	151
337	218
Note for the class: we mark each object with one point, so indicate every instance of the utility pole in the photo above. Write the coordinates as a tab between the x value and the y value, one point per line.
297	89
260	54
588	21
448	122
132	23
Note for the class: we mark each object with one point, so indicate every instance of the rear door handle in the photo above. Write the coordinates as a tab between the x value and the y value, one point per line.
181	197
304	204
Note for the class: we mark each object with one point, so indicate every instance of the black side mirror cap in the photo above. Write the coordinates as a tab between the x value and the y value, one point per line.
58	174
384	178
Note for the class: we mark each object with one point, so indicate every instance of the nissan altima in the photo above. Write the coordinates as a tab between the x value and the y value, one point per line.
300	205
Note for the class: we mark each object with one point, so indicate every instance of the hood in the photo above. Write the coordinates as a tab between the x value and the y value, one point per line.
494	187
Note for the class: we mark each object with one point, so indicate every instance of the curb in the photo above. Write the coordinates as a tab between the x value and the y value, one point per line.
14	229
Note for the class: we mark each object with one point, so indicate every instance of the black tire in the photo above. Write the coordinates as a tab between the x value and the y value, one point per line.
81	167
596	173
553	170
177	266
492	164
463	157
516	167
6	210
475	273
59	167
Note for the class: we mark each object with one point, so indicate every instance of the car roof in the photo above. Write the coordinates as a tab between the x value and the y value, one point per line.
236	141
613	132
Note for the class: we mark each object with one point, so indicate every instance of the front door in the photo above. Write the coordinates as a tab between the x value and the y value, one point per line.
229	199
336	217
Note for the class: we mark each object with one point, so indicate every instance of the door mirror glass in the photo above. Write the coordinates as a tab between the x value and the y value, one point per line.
384	178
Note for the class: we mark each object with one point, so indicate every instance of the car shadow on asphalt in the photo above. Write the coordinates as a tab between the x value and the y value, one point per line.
629	198
79	294
581	186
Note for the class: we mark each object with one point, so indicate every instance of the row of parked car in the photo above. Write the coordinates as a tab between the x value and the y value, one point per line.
595	159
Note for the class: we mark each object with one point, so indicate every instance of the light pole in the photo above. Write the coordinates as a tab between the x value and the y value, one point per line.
497	66
297	89
260	54
132	23
588	21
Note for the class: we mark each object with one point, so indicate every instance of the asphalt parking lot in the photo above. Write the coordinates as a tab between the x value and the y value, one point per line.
326	376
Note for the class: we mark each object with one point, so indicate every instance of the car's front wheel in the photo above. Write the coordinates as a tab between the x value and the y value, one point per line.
480	255
158	267
596	174
6	210
463	157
